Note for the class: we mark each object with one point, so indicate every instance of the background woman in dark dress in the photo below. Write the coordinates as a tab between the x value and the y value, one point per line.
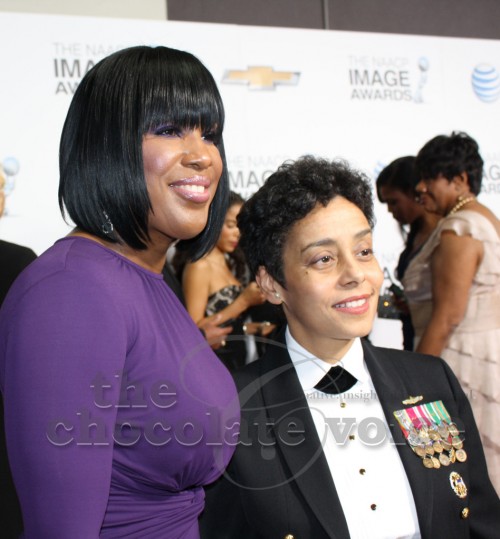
215	284
396	187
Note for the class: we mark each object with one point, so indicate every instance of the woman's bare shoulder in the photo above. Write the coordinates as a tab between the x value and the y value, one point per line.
200	267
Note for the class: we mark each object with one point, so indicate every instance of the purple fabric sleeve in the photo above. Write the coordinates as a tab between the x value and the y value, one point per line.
63	486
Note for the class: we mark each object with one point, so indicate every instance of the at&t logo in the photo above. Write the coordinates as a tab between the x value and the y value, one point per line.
486	83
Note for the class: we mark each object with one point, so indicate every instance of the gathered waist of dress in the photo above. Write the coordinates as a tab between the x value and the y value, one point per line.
482	314
145	516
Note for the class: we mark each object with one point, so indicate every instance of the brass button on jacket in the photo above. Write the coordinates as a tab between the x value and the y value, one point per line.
465	513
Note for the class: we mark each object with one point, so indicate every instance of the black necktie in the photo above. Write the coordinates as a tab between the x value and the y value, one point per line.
336	380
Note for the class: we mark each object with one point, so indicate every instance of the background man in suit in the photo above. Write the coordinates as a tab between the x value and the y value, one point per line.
383	445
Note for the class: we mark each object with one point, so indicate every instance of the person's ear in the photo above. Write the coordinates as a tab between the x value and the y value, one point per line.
269	286
461	182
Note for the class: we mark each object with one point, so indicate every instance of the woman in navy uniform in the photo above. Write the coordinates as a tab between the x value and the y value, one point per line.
382	446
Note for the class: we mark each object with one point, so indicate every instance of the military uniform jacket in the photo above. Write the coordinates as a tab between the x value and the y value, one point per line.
275	488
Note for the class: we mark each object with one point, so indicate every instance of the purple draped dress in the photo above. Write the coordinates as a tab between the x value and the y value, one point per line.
117	412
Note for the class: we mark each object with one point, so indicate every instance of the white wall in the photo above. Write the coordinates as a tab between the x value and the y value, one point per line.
365	97
123	9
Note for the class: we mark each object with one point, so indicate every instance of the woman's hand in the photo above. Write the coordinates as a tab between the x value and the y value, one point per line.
262	329
214	333
250	296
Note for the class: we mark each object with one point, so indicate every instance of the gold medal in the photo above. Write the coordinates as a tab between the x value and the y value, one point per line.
427	462
423	434
457	443
438	446
453	429
419	450
446	445
429	449
444	459
458	485
452	456
461	455
443	431
435	463
433	433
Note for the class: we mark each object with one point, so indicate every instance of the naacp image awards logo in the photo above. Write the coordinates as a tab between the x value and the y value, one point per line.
398	78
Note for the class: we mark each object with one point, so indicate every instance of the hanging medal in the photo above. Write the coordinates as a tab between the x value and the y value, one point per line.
431	434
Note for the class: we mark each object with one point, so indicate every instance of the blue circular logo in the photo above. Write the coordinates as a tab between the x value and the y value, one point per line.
486	83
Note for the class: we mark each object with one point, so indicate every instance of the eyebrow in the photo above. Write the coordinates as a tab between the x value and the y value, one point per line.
330	241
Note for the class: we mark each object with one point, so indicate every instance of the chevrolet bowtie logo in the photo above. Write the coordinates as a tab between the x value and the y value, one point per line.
261	77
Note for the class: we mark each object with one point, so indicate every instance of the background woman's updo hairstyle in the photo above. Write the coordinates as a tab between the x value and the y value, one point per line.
288	196
400	174
450	156
126	95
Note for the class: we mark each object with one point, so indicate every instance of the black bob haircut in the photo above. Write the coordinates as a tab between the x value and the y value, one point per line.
400	174
450	156
123	97
288	196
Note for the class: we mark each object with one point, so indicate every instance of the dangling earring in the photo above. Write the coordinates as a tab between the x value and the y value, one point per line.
107	227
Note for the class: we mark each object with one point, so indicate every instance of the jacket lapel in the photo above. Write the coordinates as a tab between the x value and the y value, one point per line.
392	388
284	399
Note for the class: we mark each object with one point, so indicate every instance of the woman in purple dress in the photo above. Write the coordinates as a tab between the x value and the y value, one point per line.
117	411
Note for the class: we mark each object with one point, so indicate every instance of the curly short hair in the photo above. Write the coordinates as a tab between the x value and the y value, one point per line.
288	196
450	156
124	96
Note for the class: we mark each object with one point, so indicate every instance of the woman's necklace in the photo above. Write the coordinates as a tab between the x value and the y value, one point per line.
460	204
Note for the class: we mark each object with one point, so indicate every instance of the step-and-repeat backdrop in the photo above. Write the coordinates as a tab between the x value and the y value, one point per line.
364	97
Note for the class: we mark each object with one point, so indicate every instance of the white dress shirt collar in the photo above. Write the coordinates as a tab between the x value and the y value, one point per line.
311	369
